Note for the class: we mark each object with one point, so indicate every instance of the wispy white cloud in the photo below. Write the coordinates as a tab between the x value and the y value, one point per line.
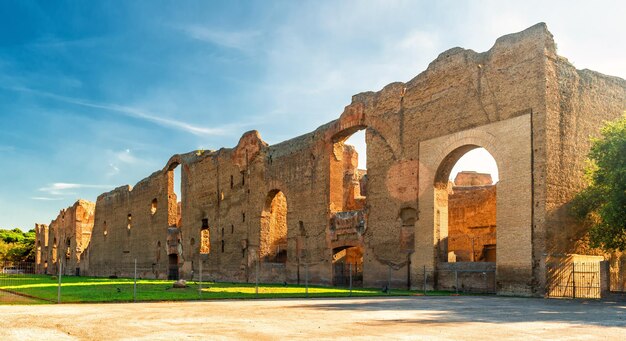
47	198
128	111
240	40
61	188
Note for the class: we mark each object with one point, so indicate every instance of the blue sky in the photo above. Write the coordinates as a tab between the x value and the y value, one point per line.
94	95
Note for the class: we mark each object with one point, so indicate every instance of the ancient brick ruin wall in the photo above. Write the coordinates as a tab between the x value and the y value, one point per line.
273	228
501	99
577	104
117	240
65	239
41	248
472	218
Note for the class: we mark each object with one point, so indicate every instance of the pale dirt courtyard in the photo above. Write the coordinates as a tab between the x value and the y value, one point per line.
453	318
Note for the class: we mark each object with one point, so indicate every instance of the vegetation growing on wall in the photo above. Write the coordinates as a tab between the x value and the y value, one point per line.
602	204
17	246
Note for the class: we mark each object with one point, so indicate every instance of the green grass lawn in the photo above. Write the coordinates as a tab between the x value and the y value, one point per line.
91	289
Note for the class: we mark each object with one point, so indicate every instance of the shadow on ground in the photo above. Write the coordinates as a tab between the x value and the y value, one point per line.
490	309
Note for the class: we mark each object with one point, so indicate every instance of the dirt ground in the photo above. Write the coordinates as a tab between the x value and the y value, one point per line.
485	318
9	298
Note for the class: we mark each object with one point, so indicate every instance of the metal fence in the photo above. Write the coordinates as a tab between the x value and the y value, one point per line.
458	280
574	279
348	274
13	274
129	282
134	283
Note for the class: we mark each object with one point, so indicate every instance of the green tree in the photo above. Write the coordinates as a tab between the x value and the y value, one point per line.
17	246
602	205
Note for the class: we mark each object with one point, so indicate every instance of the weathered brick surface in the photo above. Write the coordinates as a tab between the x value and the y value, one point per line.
528	107
472	217
65	239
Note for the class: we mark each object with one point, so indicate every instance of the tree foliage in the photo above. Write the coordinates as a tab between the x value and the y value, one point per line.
602	204
17	246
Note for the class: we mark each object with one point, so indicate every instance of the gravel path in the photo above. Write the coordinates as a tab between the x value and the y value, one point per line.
485	318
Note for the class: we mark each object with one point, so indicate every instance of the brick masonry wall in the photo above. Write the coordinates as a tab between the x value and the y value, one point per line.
528	107
472	221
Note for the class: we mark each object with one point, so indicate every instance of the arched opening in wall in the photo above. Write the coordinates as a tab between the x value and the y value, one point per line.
68	249
465	206
105	231
175	195
153	206
129	221
348	171
348	265
173	266
273	236
348	194
54	250
205	238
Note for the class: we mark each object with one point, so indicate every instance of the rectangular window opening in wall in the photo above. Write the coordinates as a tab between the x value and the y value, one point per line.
205	242
243	178
243	217
205	223
222	246
232	183
232	229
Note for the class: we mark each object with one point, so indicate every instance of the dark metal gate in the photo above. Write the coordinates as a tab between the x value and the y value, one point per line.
574	279
342	272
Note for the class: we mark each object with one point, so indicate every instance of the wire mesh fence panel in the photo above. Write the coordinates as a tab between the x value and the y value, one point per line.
574	279
463	281
14	275
130	281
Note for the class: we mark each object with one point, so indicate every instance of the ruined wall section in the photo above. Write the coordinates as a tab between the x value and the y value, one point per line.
125	229
41	248
65	239
460	90
517	99
586	100
472	221
231	189
578	102
219	192
83	226
300	169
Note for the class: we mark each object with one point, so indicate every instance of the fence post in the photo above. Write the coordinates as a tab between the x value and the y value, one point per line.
59	286
350	266
389	280
456	280
200	279
306	279
256	279
425	277
573	280
135	283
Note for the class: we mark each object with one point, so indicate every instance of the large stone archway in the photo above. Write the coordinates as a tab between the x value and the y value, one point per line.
509	142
